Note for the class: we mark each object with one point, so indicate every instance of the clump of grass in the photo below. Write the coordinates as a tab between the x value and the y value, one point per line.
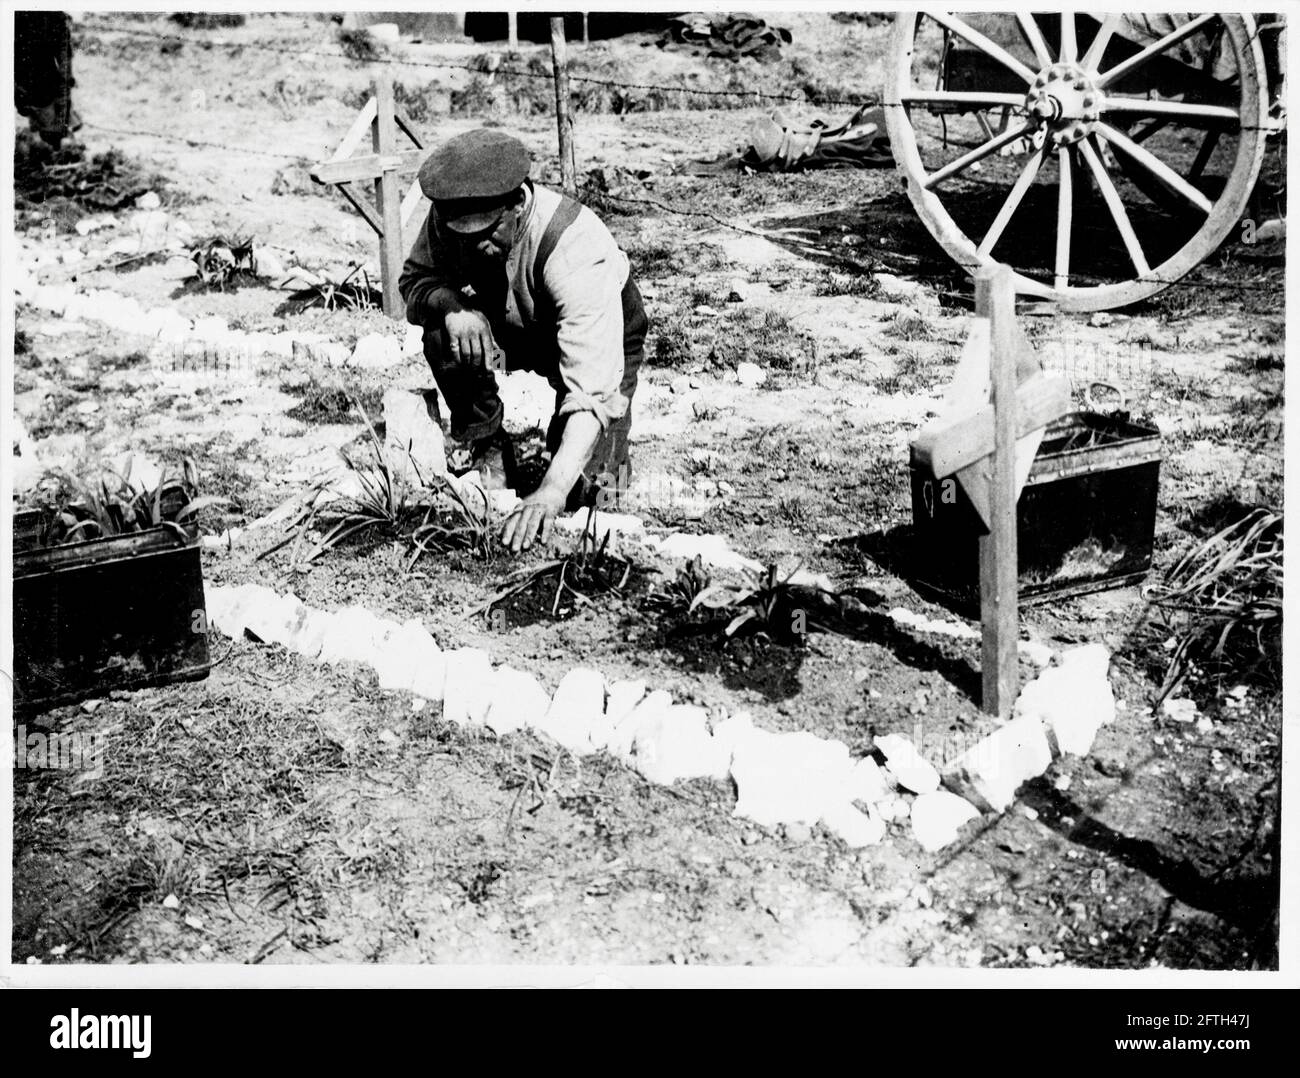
672	347
347	294
360	45
910	325
762	336
846	284
1223	599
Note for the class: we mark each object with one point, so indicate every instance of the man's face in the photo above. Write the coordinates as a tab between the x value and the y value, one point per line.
494	241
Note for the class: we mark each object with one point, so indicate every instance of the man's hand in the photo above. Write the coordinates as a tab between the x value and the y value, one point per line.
533	519
469	336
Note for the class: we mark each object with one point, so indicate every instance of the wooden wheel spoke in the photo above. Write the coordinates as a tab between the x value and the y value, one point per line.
975	98
964	30
1029	26
978	154
1064	217
1186	110
1092	58
1012	203
1167	42
1069	52
1116	206
1204	154
1162	172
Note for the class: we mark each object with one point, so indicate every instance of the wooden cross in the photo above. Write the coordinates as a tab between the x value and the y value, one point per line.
391	212
979	444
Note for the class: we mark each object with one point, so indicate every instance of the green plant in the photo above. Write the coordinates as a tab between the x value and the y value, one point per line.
221	261
679	594
589	570
74	510
759	600
346	294
1224	599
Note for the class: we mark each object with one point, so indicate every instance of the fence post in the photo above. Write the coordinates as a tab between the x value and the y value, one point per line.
512	30
995	299
563	120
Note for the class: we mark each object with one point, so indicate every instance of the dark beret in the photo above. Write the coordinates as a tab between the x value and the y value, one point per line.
482	164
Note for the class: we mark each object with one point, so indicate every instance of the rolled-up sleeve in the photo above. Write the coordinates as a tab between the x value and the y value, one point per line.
587	287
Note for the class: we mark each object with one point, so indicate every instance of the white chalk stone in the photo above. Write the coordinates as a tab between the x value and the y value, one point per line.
620	739
376	351
351	636
308	638
577	708
527	399
621	698
1073	700
712	550
893	807
750	374
676	745
938	816
908	766
268	263
148	201
518	701
995	766
857	829
413	441
789	777
413	341
732	731
404	652
470	683
868	782
921	624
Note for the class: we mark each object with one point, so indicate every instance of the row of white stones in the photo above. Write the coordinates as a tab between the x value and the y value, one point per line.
781	778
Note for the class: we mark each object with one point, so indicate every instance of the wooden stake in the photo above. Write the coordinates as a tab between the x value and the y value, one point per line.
388	196
995	299
512	30
563	120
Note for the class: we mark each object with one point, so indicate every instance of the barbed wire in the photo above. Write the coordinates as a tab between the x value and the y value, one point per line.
869	99
510	72
681	211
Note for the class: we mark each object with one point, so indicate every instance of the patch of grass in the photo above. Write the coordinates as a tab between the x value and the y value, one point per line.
324	403
672	342
1223	600
360	45
910	325
762	336
831	283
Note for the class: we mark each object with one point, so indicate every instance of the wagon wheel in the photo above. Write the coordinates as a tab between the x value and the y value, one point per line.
1078	105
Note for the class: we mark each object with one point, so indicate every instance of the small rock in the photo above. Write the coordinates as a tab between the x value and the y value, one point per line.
748	838
912	771
377	351
706	310
750	374
798	832
194	922
1181	709
681	385
1101	320
148	201
737	291
938	816
171	902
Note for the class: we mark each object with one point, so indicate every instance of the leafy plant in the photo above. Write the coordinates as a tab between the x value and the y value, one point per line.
589	570
1224	598
758	600
75	510
221	261
679	594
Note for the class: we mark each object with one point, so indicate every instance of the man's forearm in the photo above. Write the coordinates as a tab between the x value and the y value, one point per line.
581	432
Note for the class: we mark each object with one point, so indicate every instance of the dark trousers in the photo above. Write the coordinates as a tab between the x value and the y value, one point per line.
470	391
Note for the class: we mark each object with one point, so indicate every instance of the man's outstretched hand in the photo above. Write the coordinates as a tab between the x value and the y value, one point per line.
469	336
533	519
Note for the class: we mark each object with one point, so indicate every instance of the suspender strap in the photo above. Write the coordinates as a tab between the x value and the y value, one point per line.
563	217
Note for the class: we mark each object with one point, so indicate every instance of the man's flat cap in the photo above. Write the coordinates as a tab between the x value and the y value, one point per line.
476	166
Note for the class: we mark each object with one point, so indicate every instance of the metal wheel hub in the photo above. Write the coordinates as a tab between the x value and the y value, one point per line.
1066	102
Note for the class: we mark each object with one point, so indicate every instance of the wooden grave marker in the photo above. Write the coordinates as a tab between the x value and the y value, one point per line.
391	211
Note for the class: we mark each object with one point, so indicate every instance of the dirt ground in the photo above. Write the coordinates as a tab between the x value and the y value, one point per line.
286	812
